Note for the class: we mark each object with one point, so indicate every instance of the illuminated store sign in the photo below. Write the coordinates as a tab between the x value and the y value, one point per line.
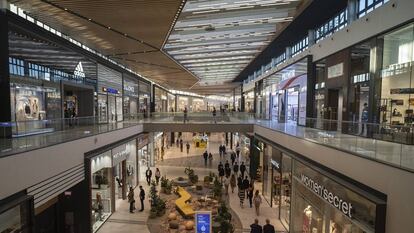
333	199
110	90
288	74
79	71
336	70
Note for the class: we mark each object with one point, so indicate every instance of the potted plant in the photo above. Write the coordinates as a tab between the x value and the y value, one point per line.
217	189
223	220
192	177
157	204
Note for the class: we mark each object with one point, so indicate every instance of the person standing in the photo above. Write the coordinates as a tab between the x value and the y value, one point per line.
236	169
226	184
250	195
141	197
221	151
131	200
181	145
177	142
226	165
268	228
255	227
214	114
157	175
224	150
188	147
364	119
257	202
210	158
185	114
232	182
242	169
205	155
148	175
237	150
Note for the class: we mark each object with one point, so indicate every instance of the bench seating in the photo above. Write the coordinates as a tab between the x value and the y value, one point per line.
181	203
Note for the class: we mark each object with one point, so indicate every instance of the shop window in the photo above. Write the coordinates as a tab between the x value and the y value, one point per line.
397	92
16	66
286	191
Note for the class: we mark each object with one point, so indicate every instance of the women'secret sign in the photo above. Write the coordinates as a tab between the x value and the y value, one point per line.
342	205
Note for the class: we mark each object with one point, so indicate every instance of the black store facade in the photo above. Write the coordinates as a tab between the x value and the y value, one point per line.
310	198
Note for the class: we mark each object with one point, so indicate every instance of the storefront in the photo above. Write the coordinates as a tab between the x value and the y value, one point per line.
130	97
144	97
182	103
171	102
109	95
17	214
197	105
112	173
161	100
249	101
310	199
291	93
42	89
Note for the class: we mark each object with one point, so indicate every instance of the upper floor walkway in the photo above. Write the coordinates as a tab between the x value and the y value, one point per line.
387	144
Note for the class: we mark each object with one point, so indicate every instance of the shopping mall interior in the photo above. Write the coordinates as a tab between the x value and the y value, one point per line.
206	116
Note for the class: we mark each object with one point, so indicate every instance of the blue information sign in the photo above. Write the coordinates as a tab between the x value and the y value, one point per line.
203	221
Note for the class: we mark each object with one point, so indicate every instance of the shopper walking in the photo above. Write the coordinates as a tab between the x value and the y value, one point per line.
236	169
232	157
205	156
226	164
221	173
268	228
242	169
141	197
220	166
227	171
177	143
185	115
237	150
241	196
255	227
221	151
240	183
257	202
210	159
232	182
250	195
157	175
188	147
226	183
181	145
131	200
148	175
246	184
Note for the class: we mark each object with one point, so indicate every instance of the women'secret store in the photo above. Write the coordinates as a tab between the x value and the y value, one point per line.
311	200
112	173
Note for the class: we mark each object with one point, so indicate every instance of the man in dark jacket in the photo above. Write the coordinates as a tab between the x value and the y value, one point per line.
236	169
246	183
141	197
148	174
232	157
255	227
205	155
242	169
268	228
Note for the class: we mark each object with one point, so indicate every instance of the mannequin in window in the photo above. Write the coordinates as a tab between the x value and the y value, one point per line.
307	219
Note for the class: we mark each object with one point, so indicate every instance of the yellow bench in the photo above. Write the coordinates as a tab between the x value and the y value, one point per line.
181	203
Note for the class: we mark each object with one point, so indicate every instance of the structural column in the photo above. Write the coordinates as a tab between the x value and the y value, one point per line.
5	109
352	10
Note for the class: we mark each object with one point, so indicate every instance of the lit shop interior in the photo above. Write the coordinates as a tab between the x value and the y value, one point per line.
112	173
308	199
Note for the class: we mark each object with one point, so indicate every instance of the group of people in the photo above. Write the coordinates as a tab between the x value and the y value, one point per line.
131	199
180	143
245	186
267	228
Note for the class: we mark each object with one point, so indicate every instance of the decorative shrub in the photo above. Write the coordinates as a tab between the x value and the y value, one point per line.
224	219
192	177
